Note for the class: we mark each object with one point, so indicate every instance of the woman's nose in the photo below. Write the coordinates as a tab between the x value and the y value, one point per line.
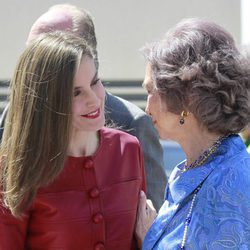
91	99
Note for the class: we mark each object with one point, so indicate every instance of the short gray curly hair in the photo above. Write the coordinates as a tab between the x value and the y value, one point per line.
197	67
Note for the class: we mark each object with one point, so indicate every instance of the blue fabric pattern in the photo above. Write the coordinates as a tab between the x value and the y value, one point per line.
221	215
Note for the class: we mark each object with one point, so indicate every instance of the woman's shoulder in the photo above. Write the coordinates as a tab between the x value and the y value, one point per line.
233	162
109	134
235	170
224	198
229	181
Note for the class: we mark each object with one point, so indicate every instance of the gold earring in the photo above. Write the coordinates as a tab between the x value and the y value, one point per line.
183	115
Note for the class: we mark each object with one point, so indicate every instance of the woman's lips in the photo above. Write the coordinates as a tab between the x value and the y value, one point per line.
92	115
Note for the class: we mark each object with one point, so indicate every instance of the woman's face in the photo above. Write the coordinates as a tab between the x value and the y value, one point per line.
166	123
88	98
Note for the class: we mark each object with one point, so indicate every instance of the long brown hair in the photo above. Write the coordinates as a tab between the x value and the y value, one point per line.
38	124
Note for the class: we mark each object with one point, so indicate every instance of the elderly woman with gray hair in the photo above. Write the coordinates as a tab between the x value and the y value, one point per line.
198	86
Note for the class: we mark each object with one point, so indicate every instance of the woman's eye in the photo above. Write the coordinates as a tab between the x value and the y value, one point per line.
77	92
95	82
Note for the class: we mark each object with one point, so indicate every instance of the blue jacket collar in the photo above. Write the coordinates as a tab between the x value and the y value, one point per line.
183	184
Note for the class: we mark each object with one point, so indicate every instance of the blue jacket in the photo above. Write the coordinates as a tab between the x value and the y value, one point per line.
220	218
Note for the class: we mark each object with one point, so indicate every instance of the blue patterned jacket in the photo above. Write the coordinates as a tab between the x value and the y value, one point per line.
220	218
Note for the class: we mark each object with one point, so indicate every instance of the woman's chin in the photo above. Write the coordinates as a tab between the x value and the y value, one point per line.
163	135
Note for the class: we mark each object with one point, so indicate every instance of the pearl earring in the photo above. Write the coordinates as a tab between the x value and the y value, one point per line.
184	114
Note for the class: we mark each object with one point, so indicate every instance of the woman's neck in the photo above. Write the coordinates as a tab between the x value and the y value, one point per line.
194	145
83	143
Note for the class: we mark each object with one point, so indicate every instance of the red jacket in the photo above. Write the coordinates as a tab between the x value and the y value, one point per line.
91	205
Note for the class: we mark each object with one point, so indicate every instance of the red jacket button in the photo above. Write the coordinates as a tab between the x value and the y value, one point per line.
99	246
89	164
98	218
94	192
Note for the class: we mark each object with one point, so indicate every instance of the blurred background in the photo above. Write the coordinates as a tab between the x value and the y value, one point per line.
122	28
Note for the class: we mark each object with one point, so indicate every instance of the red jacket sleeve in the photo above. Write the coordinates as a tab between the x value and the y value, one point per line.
12	230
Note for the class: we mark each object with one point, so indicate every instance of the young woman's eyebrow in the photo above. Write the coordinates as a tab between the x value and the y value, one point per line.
92	81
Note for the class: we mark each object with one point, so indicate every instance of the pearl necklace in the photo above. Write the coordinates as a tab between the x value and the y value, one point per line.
201	160
188	218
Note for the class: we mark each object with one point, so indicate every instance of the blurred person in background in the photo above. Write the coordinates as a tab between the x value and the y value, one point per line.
246	137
